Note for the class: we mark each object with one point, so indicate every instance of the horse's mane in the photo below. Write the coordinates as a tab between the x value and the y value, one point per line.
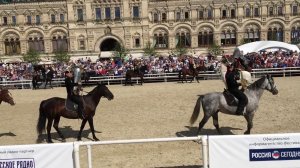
94	90
3	90
257	83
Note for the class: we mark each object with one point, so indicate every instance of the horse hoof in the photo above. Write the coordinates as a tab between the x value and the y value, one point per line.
246	133
96	139
50	141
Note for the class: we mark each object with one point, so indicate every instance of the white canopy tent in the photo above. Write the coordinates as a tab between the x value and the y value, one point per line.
267	46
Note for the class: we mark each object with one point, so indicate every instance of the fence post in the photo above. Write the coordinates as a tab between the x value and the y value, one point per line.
76	155
89	153
204	150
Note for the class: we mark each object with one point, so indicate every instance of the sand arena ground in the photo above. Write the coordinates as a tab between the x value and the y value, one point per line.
150	111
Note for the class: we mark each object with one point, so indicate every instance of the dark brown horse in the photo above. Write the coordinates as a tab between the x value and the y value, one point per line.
6	96
184	72
139	72
54	108
41	75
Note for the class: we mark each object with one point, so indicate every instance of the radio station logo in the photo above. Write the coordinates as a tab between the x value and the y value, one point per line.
17	163
274	154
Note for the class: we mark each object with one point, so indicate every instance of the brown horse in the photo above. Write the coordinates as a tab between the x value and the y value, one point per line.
139	72
54	108
184	72
6	96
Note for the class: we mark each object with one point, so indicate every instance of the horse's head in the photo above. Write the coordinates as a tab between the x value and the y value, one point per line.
6	96
271	85
105	92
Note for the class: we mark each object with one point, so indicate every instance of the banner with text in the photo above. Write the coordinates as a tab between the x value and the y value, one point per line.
255	151
37	156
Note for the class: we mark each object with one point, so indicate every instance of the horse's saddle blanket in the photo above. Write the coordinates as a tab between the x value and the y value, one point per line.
71	106
230	99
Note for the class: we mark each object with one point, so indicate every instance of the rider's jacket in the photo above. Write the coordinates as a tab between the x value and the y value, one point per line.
231	80
69	83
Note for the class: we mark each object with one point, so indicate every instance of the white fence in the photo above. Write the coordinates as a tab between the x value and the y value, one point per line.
259	151
200	139
159	77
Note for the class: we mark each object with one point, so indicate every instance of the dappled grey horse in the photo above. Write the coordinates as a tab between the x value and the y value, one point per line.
215	102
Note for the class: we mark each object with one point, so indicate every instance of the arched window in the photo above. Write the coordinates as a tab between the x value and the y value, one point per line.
136	40
209	13
252	33
205	37
295	33
155	17
200	11
160	39
12	44
36	42
271	9
228	36
164	17
59	42
275	32
295	7
183	38
247	12
81	42
256	10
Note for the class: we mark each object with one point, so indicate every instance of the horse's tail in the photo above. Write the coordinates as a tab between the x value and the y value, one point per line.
196	110
41	121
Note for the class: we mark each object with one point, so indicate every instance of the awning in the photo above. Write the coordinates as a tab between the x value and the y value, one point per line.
267	46
106	54
136	55
13	60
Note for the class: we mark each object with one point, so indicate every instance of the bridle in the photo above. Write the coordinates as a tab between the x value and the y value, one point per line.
273	88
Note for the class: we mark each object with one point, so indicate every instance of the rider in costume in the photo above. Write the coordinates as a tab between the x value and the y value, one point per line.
73	96
192	64
232	83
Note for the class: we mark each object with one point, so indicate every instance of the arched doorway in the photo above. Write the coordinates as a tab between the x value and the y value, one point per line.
108	44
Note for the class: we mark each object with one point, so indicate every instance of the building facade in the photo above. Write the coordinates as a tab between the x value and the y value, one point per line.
88	27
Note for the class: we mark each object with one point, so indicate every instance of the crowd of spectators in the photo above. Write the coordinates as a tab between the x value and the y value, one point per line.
117	66
276	59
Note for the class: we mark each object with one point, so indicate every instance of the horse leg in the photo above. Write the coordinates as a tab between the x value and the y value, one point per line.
202	123
126	80
249	119
216	122
81	128
49	125
142	80
192	78
46	81
91	123
197	78
183	78
55	125
50	82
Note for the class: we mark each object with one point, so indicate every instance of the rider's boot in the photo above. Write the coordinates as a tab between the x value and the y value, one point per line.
81	114
240	110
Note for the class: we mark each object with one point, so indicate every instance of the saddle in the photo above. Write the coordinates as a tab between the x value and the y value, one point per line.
230	99
71	106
